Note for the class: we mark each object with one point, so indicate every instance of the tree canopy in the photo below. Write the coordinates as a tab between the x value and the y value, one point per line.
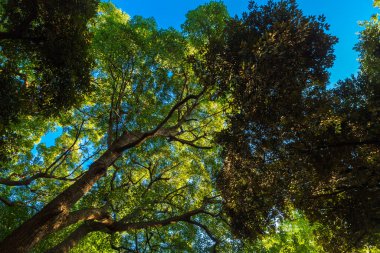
45	65
292	143
219	137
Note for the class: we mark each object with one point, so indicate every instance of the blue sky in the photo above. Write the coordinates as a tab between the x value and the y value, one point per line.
342	15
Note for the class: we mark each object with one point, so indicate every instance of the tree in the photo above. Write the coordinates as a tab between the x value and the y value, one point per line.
290	142
135	157
44	54
137	167
44	61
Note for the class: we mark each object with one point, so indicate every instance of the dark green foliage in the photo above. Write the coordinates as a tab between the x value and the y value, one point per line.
369	48
290	142
44	60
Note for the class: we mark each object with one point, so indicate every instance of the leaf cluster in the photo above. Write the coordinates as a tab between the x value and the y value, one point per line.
290	142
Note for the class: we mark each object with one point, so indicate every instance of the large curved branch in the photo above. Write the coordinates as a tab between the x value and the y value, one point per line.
75	237
85	215
56	212
88	227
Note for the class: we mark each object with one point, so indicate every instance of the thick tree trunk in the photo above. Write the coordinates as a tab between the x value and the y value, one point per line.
53	215
56	213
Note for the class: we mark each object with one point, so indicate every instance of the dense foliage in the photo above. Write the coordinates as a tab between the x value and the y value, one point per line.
292	143
221	137
44	60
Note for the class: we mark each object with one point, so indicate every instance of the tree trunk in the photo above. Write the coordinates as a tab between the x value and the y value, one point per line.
54	214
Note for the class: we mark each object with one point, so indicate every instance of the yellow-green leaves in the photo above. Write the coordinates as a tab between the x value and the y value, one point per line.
206	23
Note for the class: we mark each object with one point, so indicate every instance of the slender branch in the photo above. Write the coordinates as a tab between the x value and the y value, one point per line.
53	166
208	232
161	124
190	143
67	151
24	182
9	203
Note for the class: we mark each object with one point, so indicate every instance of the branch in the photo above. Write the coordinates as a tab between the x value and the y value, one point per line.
67	151
57	162
58	209
121	226
9	182
24	182
9	203
85	215
75	237
161	124
190	143
208	232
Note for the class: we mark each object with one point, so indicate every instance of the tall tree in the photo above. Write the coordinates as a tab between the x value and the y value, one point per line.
136	166
290	142
134	161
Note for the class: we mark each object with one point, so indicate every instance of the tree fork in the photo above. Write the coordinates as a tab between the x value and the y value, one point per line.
56	213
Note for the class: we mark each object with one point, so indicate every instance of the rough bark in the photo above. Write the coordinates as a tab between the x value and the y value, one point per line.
56	213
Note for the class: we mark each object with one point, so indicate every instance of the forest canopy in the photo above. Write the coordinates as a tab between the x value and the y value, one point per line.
45	63
222	136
